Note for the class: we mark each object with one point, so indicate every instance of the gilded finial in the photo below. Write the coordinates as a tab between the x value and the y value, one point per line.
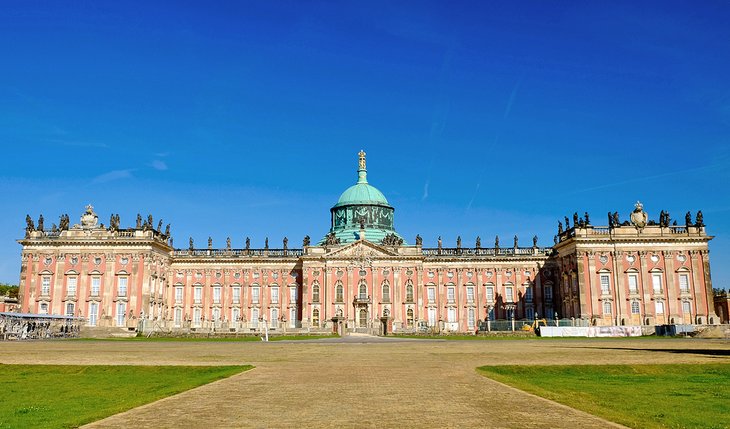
362	172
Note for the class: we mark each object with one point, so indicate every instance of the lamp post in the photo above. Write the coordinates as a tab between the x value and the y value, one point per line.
511	309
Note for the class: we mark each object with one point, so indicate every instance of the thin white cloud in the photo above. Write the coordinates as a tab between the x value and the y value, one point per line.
159	165
113	175
425	191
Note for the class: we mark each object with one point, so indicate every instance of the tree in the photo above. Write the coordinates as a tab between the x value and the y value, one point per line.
8	290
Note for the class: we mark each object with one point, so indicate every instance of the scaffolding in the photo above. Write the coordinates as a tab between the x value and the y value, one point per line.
29	326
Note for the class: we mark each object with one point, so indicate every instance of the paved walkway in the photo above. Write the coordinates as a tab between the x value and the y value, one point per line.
359	381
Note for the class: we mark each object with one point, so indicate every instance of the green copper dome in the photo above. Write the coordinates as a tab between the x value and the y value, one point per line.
362	193
362	210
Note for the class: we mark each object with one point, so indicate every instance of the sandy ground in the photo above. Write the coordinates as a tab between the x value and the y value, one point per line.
360	381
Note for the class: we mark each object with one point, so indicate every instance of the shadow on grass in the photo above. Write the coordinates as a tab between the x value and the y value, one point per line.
704	352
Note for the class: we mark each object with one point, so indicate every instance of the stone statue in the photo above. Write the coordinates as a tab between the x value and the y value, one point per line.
139	221
479	242
331	239
560	227
610	220
496	242
171	242
687	219
266	243
210	243
555	239
64	222
419	240
700	219
54	228
567	223
29	223
248	243
286	243
515	241
534	241
40	223
440	243
228	243
191	243
587	218
616	220
575	219
167	231
392	240
458	242
307	241
149	221
159	226
111	222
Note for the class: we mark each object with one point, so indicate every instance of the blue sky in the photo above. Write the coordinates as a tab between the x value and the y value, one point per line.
479	118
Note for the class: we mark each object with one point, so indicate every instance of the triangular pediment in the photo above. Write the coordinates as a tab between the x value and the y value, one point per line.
360	249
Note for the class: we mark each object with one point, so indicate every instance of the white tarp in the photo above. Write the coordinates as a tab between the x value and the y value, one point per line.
590	331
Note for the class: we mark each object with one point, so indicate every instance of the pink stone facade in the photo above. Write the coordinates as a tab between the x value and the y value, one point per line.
134	279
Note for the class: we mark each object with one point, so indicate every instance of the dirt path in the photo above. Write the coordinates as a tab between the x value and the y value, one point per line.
358	383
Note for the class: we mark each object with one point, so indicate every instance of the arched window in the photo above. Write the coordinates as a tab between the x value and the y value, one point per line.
255	318
606	307
339	294
363	291
315	292
409	318
386	292
634	307
315	317
69	309
409	292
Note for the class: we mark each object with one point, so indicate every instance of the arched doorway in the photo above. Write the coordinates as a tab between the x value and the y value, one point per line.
362	318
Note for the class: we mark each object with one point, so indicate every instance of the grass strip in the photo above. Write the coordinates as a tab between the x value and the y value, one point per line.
638	396
67	396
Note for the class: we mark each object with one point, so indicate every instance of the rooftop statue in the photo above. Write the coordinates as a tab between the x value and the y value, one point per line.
534	241
479	242
560	227
458	242
419	240
191	243
700	219
515	241
307	241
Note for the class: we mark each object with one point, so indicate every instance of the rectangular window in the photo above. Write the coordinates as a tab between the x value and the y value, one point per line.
274	295
431	316
292	295
217	295
122	286
605	284
470	318
274	317
46	286
470	293
255	295
684	283
255	318
236	295
70	309
71	286
634	307
659	306
528	295
450	294
686	307
633	283
490	293
451	315
121	310
293	318
179	294
530	313
509	294
198	297
656	283
431	295
548	293
606	307
93	313
196	317
95	286
235	315
178	317
216	314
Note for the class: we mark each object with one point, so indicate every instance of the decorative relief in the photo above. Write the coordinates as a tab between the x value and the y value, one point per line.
603	259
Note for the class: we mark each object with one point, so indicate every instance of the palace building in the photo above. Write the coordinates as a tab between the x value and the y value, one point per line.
364	277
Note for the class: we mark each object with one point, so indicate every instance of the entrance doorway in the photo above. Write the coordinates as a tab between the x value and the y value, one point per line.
362	318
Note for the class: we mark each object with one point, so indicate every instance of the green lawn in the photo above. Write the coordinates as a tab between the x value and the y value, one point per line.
639	396
66	396
213	338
